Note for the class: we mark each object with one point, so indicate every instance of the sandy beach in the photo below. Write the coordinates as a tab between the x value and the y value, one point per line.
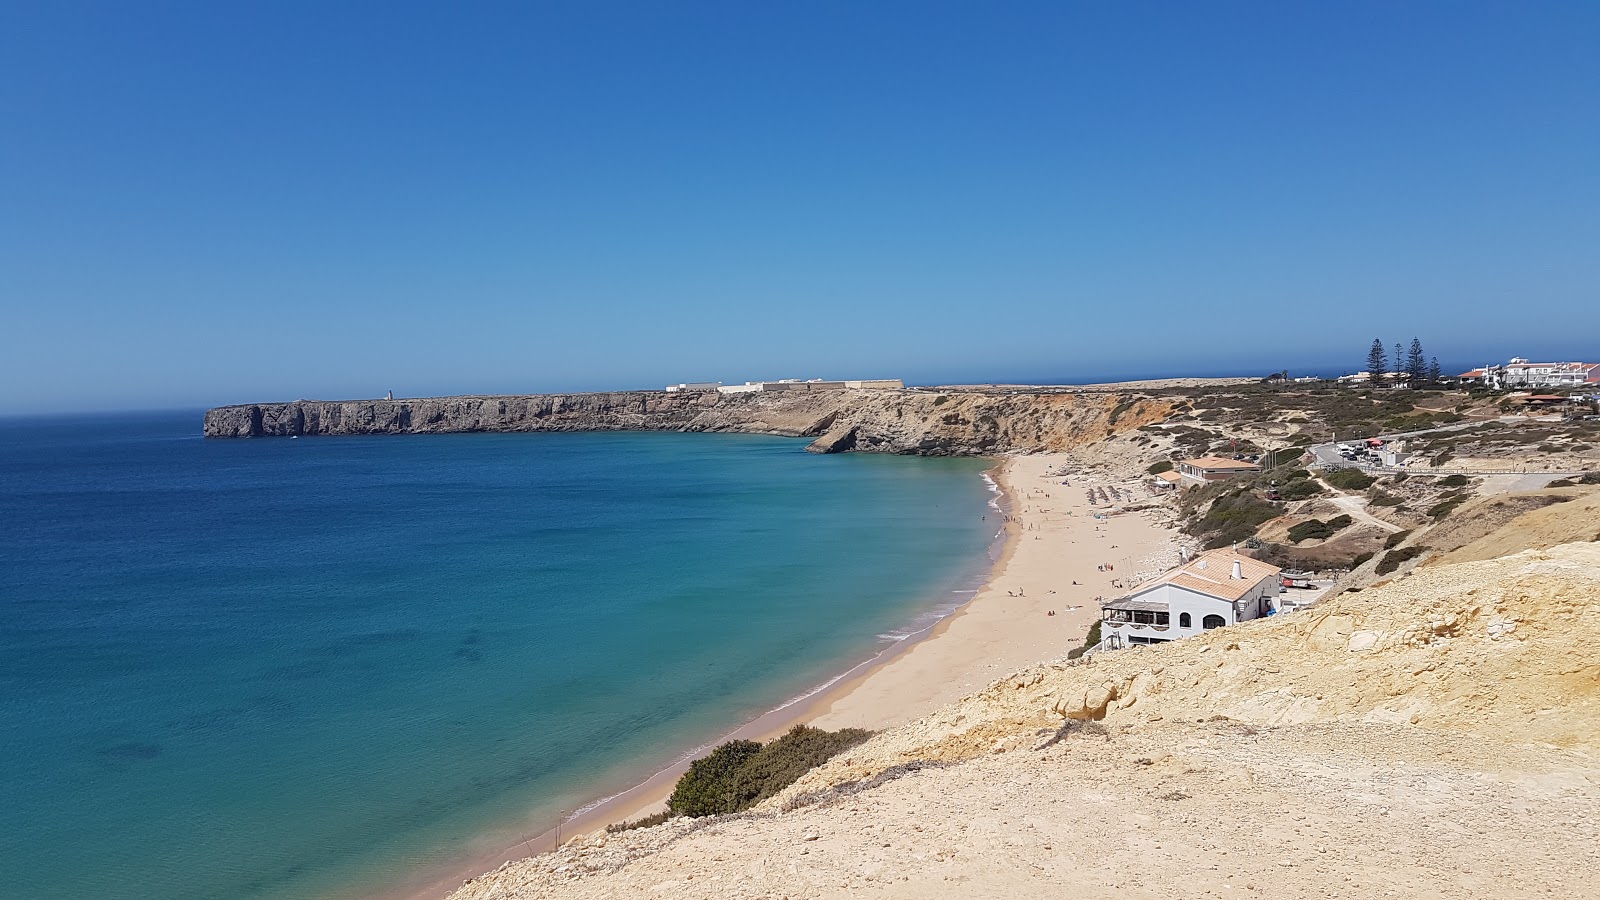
1060	552
1053	561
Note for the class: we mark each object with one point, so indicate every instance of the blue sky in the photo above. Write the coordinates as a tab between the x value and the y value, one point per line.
205	203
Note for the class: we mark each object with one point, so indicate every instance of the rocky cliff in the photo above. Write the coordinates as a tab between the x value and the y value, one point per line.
917	422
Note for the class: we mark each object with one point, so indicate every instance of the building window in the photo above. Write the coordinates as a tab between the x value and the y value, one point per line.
1213	621
1184	621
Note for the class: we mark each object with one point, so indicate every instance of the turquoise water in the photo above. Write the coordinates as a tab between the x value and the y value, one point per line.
278	668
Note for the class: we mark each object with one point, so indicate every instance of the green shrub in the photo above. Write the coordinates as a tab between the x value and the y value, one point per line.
1395	558
1300	489
1562	482
1452	481
1349	479
1360	558
739	774
1396	539
1316	529
1590	478
782	762
1234	517
1444	509
705	789
1157	468
1379	498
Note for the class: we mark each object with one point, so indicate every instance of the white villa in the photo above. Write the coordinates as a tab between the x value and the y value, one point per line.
1215	589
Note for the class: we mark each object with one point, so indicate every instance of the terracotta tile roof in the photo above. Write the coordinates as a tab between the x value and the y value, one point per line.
1475	373
1218	462
1211	573
1169	475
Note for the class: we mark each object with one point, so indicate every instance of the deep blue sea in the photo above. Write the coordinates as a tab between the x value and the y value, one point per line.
282	668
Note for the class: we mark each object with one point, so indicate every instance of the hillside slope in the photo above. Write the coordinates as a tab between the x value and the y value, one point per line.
1434	737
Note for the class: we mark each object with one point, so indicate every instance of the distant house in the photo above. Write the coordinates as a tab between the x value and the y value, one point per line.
1215	589
1520	373
693	386
815	384
1363	379
1207	469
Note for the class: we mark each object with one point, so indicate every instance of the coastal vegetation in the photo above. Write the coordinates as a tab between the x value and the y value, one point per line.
739	774
1349	479
1318	530
1394	559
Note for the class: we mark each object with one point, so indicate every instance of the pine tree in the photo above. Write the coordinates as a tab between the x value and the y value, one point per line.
1434	375
1376	363
1416	363
1399	358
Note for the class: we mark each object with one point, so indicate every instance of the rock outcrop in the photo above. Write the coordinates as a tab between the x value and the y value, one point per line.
914	422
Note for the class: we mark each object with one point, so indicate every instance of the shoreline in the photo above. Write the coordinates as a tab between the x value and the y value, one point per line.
992	633
650	796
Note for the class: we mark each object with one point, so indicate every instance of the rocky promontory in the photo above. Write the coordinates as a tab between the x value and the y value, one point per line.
886	421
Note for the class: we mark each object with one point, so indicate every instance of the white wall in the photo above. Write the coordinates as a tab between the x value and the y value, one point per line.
1181	600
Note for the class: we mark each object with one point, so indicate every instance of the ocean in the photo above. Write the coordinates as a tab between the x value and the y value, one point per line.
318	667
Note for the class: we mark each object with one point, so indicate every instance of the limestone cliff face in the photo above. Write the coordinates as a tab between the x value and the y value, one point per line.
914	422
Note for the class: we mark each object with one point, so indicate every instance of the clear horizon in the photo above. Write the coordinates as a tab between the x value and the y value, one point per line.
210	205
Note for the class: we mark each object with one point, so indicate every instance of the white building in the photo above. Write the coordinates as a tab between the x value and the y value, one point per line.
694	386
1207	469
815	384
1519	373
1214	590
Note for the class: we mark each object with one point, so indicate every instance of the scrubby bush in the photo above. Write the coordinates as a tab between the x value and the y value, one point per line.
1379	498
1302	489
1396	539
1349	479
706	789
782	762
1360	558
1590	478
739	774
1234	517
1445	508
1316	529
1395	558
1453	481
1157	468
